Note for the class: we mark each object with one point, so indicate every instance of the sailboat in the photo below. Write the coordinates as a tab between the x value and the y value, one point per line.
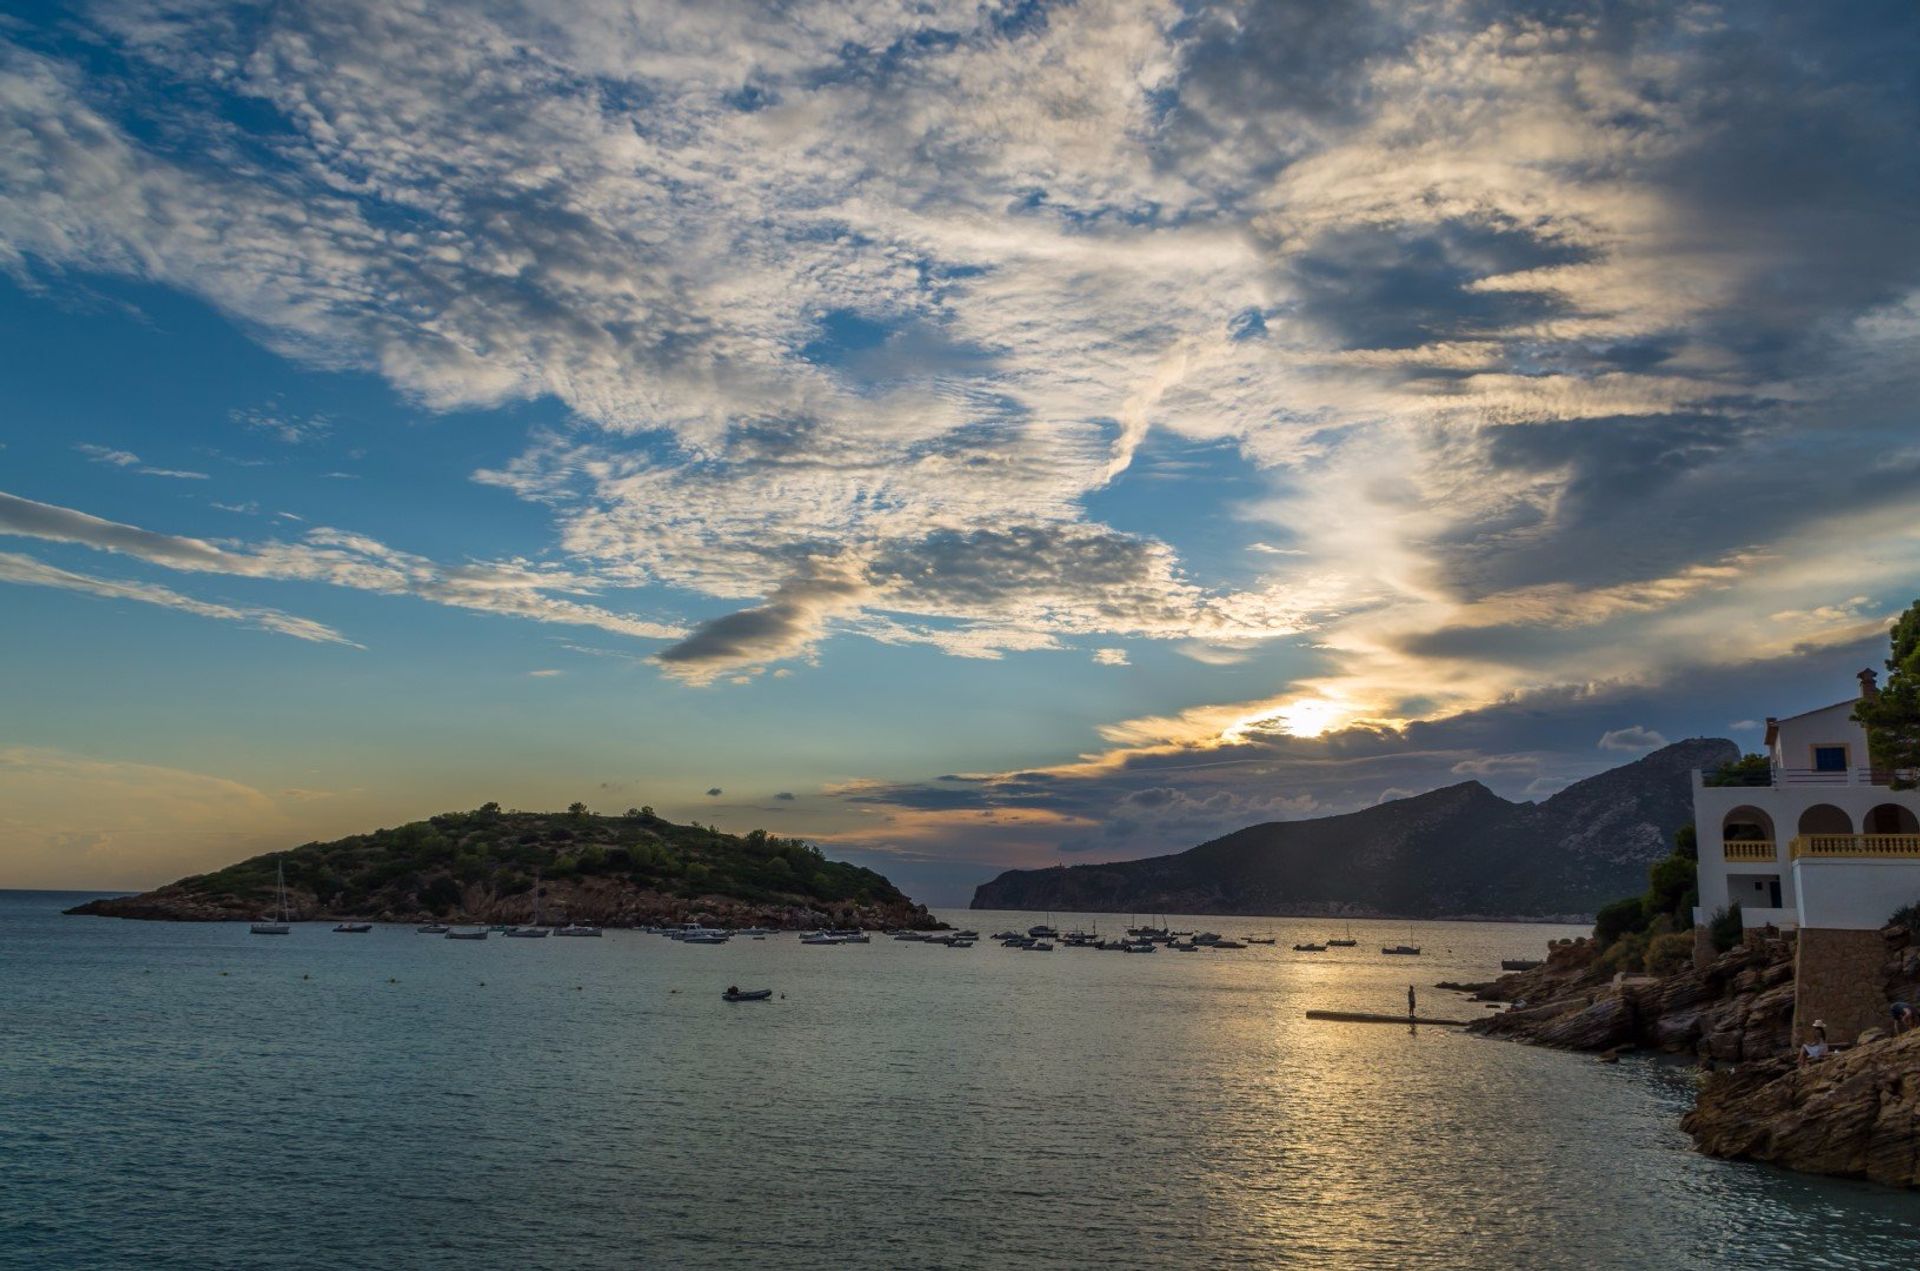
536	931
1409	950
279	926
1347	943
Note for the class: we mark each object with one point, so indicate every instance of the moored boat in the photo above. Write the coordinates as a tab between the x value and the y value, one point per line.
746	995
478	933
433	929
1309	948
576	929
354	928
279	925
1406	950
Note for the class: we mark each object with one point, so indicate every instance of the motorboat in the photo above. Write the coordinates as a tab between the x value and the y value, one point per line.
1038	946
820	937
279	925
1262	939
433	929
527	933
704	937
857	937
1227	944
478	933
576	929
1309	948
746	995
1406	950
354	928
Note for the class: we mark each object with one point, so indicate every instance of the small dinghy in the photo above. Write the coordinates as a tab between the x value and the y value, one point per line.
354	928
1403	950
478	933
1309	948
746	995
434	929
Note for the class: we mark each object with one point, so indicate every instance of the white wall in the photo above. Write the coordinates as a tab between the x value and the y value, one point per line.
1783	805
1828	726
1854	893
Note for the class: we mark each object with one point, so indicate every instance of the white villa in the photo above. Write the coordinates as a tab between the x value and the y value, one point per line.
1820	843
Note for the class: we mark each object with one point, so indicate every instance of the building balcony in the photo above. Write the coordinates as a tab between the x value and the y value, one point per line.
1835	846
1748	850
1783	778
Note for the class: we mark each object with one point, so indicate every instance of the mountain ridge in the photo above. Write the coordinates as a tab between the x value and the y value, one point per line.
1457	851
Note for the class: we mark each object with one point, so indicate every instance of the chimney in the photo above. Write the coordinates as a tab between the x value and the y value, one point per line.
1869	685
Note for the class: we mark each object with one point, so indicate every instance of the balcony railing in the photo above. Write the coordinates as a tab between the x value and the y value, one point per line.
1778	778
1748	850
1826	846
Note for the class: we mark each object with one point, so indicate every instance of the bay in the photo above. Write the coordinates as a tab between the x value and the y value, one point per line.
188	1095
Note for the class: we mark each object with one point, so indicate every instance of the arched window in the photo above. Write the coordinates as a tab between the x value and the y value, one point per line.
1746	823
1892	818
1824	818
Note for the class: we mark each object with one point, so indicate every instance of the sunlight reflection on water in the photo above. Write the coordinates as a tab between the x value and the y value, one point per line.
594	1103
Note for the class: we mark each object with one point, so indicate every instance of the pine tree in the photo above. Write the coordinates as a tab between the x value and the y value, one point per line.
1892	716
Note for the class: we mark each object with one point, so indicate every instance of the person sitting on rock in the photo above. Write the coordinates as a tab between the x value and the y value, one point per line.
1817	1048
1902	1017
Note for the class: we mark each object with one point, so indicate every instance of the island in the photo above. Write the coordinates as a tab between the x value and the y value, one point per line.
484	866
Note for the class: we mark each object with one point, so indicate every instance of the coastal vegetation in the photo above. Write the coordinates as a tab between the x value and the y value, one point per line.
1891	716
485	863
1652	931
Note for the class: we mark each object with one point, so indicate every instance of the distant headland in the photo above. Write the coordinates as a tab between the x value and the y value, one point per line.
1458	852
482	866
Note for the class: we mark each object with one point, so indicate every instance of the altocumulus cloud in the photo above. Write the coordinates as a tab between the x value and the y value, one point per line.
855	314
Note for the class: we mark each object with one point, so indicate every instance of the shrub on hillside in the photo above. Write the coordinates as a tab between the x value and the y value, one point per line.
1669	953
1622	917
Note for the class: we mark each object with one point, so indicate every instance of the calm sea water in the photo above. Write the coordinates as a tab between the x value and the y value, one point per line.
182	1095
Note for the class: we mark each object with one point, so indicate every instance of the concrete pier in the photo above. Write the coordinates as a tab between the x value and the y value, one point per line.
1363	1017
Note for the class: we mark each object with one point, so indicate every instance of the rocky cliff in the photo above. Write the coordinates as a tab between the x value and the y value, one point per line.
1739	1008
1855	1114
483	866
1461	851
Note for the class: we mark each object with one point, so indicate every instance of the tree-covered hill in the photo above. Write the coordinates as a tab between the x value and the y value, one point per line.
481	866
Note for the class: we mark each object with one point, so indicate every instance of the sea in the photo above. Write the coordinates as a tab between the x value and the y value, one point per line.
190	1095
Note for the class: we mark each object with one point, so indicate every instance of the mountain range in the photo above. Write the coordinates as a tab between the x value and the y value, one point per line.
1458	852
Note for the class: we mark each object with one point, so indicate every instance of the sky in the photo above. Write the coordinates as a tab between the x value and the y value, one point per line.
967	435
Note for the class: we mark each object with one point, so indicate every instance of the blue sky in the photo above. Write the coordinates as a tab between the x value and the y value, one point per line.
967	436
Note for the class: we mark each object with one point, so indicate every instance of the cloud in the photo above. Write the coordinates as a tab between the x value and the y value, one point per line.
1110	657
1633	738
127	459
544	674
343	559
1550	353
25	570
292	428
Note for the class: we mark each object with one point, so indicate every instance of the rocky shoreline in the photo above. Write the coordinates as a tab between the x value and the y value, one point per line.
1854	1114
600	902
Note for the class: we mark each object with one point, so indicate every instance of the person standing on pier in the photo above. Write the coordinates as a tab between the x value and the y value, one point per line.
1409	1001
